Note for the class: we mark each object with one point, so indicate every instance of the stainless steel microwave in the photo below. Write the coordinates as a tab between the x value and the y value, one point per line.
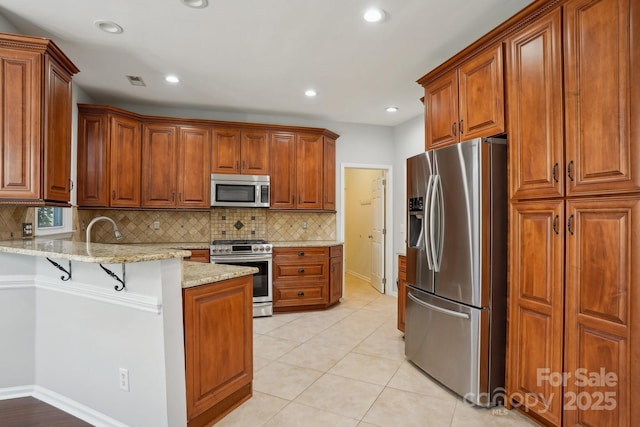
240	191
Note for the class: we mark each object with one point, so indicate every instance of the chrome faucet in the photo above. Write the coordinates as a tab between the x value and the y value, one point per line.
116	232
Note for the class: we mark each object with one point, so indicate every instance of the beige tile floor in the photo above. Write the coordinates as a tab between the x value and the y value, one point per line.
345	367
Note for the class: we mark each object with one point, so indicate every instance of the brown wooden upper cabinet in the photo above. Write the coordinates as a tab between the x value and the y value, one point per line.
240	151
302	171
175	166
35	124
601	91
109	157
534	84
466	102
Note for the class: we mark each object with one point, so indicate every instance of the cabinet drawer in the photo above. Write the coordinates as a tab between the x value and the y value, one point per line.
300	294
300	253
307	270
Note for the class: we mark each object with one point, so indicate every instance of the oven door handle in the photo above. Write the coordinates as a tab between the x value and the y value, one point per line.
216	259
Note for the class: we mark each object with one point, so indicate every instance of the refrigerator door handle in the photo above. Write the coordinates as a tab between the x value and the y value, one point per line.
436	308
427	226
436	230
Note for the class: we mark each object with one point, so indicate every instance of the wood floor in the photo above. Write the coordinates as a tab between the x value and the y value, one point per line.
31	412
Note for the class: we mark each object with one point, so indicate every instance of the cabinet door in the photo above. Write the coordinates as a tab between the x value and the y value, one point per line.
159	166
125	142
225	149
57	133
329	186
20	121
282	154
93	155
534	76
194	164
535	308
309	157
602	334
602	64
255	152
481	87
441	111
335	274
218	334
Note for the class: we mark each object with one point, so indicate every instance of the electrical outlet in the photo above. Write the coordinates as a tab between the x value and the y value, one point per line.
124	379
27	230
156	225
304	225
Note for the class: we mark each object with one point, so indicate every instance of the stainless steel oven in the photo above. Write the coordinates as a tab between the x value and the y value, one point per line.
249	253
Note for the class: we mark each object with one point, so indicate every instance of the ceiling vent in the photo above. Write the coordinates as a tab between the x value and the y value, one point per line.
136	80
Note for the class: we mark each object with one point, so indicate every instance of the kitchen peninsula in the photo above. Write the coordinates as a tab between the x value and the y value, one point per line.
97	329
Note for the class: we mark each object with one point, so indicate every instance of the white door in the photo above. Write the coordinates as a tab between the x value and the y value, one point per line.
378	233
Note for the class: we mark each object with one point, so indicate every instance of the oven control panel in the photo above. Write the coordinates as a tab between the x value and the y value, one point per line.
237	249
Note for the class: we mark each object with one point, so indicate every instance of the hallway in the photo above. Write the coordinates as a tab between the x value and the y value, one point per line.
345	367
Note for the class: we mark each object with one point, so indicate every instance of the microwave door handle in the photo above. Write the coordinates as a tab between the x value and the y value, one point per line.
426	229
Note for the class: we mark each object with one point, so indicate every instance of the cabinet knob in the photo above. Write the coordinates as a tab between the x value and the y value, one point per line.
461	127
300	294
114	195
70	185
301	270
453	128
554	172
301	253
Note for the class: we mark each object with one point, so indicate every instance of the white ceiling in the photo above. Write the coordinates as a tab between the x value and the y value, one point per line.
259	56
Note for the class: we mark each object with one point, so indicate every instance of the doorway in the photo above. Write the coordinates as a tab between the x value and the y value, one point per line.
365	224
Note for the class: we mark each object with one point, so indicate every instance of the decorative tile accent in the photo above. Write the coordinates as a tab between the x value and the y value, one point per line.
11	219
288	226
137	226
225	222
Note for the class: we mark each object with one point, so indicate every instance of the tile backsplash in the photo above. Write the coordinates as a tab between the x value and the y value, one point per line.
286	226
138	226
11	219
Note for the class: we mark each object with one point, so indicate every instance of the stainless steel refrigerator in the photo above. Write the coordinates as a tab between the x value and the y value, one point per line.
456	267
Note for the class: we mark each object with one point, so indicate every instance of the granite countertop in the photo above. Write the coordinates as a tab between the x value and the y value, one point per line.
198	273
305	243
90	252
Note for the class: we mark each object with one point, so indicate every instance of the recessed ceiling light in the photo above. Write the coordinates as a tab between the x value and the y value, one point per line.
391	109
109	27
172	79
310	93
196	4
374	15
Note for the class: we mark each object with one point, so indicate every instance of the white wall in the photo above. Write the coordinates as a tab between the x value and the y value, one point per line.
408	140
6	26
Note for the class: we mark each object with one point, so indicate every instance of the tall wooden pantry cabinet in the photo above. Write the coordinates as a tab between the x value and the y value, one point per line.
573	85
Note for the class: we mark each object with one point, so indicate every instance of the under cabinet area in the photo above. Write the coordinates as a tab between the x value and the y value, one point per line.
467	102
306	278
218	334
35	129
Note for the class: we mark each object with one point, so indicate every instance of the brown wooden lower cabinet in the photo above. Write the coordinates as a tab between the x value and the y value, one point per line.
198	255
536	307
306	278
573	353
402	290
218	333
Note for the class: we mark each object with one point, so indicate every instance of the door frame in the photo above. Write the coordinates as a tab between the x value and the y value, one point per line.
390	288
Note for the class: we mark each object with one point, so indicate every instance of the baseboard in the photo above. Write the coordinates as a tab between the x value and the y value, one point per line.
359	276
61	402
